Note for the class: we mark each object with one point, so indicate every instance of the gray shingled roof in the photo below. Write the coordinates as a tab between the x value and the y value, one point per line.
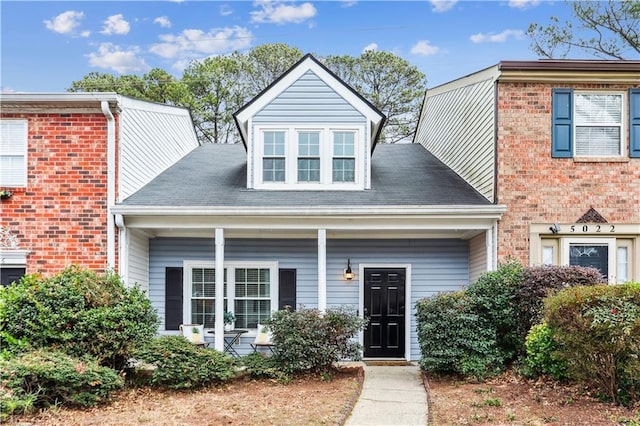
215	175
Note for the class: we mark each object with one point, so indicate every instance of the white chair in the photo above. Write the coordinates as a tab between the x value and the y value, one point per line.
263	339
194	333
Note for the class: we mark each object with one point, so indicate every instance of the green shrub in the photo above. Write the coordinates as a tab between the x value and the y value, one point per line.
260	366
453	338
598	333
79	312
178	364
541	354
308	340
46	377
542	281
493	297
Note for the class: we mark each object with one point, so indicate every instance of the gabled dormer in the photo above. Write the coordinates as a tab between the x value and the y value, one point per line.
309	130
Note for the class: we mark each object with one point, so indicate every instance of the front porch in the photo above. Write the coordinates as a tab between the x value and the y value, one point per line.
269	262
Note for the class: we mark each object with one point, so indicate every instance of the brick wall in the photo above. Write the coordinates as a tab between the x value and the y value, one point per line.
61	215
540	189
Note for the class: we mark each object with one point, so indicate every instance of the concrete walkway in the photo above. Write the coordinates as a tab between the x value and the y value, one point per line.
391	395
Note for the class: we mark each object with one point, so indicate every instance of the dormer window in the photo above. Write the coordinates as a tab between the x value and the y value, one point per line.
273	162
308	157
309	131
344	161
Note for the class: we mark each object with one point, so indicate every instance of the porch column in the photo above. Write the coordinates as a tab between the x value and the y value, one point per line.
322	270
219	305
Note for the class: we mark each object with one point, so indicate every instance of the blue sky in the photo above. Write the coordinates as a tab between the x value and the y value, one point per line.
46	45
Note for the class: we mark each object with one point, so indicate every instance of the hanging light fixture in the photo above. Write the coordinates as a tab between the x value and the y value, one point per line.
348	273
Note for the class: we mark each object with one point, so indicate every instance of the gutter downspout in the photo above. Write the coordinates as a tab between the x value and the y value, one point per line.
111	183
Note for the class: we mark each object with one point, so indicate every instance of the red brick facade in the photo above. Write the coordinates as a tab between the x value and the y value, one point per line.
61	215
540	189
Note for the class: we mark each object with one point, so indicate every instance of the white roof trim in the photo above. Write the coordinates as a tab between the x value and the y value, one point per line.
308	64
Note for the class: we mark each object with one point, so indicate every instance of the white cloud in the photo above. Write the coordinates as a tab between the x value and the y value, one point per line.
280	13
442	5
163	21
110	56
523	4
225	10
497	38
195	43
115	24
372	46
66	23
423	47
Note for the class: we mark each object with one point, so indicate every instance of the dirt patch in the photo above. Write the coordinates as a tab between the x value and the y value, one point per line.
308	401
510	400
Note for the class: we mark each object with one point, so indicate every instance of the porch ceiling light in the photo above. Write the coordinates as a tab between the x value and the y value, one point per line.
348	273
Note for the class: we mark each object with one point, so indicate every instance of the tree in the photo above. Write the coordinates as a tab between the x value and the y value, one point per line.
215	92
390	83
612	30
263	64
155	86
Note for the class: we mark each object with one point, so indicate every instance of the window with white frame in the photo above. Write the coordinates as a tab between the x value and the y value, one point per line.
598	124
252	297
274	160
250	292
344	162
309	157
13	153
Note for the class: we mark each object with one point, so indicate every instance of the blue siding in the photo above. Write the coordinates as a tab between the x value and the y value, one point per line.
436	266
309	100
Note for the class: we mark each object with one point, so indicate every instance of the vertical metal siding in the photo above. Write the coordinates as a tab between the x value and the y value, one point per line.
152	138
309	100
457	126
436	266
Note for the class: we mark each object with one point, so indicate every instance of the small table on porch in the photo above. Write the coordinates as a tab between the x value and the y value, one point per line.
231	337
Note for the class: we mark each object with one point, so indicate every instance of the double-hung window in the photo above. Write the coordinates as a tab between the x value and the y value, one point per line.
308	157
252	296
202	295
13	153
598	124
274	159
595	124
250	292
344	161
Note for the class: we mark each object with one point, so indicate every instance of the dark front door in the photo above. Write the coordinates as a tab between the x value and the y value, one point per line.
384	305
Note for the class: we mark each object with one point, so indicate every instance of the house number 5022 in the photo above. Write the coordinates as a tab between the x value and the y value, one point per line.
593	228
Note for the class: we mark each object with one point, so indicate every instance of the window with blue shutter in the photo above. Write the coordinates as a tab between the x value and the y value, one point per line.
562	126
634	123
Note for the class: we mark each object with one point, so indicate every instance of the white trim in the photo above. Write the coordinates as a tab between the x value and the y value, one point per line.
322	270
219	289
621	125
609	242
292	76
13	258
407	300
493	211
